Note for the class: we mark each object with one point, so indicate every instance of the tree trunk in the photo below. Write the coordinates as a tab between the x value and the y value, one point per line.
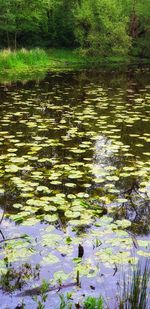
15	41
8	41
134	22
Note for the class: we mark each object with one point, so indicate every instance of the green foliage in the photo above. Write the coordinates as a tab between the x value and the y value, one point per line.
102	28
19	16
60	23
142	38
90	302
65	301
41	300
23	59
97	27
93	303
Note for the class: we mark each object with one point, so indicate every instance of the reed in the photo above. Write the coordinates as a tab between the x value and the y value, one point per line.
135	288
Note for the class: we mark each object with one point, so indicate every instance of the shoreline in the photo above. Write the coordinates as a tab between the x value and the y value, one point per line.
25	64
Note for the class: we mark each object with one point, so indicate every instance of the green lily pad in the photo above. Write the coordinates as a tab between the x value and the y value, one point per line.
50	259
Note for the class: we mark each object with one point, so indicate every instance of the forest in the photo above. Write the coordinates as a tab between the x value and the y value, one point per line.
94	27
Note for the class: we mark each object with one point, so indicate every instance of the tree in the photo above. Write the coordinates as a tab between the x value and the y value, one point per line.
7	21
101	27
18	16
60	22
96	27
142	39
138	12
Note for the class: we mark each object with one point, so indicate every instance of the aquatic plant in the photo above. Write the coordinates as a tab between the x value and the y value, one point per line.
41	300
13	279
89	302
135	288
74	174
93	303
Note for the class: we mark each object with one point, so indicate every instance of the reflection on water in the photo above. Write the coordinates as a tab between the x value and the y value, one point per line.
74	169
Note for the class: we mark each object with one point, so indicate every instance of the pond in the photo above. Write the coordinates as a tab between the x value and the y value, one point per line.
74	183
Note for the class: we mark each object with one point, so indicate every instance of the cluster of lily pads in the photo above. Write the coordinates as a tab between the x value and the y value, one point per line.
70	159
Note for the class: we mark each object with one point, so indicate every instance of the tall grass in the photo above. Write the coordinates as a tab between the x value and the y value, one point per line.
23	59
135	288
37	59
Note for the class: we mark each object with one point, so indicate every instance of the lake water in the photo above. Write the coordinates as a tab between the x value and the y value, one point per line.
74	182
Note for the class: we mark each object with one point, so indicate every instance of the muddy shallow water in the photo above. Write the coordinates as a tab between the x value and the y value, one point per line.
74	171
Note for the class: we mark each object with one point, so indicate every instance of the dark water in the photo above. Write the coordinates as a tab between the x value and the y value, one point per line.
74	169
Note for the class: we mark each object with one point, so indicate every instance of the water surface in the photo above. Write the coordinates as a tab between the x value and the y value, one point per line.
74	169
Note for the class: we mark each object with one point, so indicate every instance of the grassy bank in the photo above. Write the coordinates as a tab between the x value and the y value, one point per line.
25	64
32	64
37	59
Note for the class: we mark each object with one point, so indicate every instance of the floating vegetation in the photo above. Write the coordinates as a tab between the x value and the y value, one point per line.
74	170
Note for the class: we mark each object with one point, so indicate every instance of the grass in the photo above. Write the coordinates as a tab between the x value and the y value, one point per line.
37	59
66	56
135	288
24	64
27	60
23	60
